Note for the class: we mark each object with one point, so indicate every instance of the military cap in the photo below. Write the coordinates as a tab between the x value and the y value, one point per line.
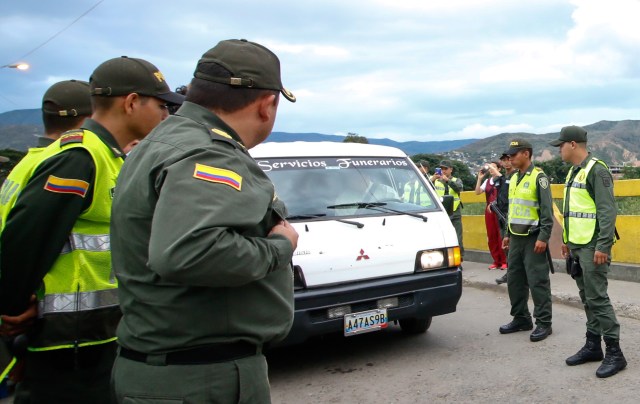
69	98
445	164
251	66
570	134
125	75
516	145
423	163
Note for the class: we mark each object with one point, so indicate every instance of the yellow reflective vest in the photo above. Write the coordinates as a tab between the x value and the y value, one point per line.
416	193
440	190
580	218
524	207
78	302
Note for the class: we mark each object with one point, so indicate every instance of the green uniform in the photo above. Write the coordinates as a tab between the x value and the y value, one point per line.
601	319
453	187
530	219
196	267
37	228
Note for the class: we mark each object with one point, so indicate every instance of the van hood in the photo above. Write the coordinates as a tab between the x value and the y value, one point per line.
331	252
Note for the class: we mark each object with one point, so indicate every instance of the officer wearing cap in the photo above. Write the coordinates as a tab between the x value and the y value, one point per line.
54	244
529	225
446	184
200	247
589	211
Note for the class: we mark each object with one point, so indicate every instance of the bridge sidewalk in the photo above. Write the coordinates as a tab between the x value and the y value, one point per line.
624	295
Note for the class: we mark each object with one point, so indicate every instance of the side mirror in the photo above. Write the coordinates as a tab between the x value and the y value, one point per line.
447	202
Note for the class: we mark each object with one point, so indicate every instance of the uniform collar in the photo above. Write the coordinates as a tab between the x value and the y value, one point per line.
585	161
104	135
530	169
44	141
210	120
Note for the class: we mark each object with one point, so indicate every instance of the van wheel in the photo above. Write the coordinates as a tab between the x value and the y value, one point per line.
415	325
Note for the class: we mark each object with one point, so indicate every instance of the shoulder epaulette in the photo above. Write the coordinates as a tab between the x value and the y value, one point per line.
72	136
219	134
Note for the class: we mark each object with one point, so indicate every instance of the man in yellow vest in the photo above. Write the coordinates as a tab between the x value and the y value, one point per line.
446	184
529	225
589	231
55	243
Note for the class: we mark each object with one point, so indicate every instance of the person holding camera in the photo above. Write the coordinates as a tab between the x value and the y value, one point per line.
446	184
488	183
589	210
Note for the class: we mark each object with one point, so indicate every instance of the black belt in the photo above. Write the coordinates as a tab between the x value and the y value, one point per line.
195	356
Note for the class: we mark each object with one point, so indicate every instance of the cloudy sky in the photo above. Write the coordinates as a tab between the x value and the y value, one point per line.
401	69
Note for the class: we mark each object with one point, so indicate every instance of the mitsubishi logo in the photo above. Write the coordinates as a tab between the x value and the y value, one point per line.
362	255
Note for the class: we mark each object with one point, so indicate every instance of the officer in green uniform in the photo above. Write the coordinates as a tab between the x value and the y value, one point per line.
55	211
589	232
200	247
529	225
447	184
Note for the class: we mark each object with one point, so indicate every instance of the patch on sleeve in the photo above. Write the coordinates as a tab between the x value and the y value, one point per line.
66	186
543	182
606	179
75	136
218	175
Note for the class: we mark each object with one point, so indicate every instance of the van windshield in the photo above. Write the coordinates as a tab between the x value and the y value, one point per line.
324	187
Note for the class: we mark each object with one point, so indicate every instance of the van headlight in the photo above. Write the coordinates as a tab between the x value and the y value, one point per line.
428	260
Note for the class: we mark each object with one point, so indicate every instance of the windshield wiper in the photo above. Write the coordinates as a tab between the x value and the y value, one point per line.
379	206
313	216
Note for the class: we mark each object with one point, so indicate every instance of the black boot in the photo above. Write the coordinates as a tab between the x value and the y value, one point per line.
590	352
614	360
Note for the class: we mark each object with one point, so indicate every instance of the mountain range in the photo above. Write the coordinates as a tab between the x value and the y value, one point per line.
616	142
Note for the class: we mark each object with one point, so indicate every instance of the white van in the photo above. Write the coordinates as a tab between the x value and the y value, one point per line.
376	244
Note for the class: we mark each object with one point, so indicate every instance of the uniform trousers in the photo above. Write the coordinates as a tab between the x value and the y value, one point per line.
592	286
456	221
67	376
237	381
528	272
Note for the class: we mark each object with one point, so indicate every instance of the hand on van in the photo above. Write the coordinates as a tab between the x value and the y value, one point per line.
284	228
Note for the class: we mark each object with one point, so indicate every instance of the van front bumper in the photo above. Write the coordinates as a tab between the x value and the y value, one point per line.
420	295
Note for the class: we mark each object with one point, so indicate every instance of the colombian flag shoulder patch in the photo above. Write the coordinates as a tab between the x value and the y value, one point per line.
66	186
218	175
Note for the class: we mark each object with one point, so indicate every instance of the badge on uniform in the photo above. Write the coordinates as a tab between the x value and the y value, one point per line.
74	136
66	186
218	175
544	182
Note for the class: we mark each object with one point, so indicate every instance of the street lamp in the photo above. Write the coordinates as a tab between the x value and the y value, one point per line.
19	66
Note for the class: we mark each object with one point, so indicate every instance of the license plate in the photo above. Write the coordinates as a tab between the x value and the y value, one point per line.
365	321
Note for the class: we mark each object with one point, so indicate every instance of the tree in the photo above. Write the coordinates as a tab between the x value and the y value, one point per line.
355	138
555	169
630	173
14	157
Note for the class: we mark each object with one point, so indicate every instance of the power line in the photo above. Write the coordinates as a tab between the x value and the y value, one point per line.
61	31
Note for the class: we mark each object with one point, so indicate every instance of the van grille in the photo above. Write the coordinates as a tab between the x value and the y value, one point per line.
317	316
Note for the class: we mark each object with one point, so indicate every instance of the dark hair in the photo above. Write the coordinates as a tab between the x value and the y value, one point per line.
173	108
222	97
55	124
530	150
101	102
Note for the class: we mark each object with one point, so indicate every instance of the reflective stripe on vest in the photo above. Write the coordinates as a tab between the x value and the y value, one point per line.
17	180
440	190
83	301
523	203
99	242
580	215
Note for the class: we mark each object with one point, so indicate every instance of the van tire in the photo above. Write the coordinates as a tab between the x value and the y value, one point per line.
415	325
